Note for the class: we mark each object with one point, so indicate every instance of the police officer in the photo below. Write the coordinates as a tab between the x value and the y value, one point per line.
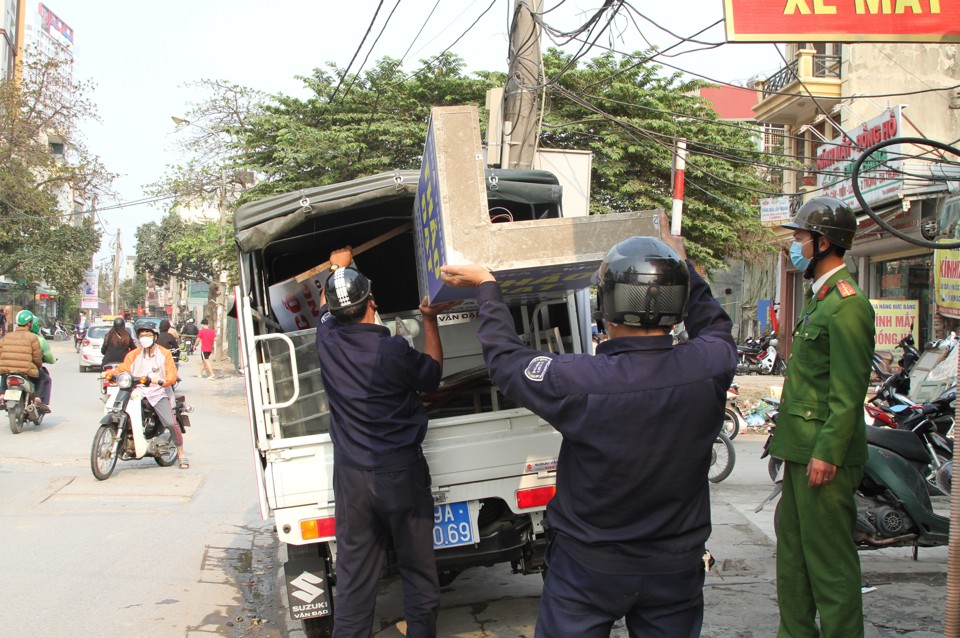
381	481
630	515
821	434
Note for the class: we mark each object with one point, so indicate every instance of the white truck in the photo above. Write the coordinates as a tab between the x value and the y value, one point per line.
493	464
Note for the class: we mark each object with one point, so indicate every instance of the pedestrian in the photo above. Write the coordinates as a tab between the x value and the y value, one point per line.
3	323
630	517
381	480
821	435
206	336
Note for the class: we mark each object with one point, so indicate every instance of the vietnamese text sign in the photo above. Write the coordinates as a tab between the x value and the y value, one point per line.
895	318
946	282
842	20
880	175
774	211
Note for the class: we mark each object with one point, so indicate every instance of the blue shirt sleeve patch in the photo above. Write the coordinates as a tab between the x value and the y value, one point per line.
537	368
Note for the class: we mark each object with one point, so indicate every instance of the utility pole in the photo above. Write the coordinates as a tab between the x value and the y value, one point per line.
679	173
523	86
117	257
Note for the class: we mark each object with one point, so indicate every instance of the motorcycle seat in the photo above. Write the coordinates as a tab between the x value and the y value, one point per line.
902	442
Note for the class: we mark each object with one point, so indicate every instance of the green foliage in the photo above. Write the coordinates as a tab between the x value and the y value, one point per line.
131	292
629	116
42	158
188	251
374	122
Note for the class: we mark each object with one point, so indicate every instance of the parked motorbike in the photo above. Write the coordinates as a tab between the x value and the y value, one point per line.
893	506
721	459
18	401
733	419
133	433
59	331
760	357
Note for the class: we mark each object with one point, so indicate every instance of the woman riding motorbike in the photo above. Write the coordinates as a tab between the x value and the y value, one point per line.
117	343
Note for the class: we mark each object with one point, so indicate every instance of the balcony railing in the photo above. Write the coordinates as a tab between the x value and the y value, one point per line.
819	65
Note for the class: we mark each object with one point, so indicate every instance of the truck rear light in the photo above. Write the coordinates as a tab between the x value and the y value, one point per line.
317	528
535	496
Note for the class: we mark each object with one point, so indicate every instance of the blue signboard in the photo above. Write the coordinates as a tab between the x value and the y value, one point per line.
428	224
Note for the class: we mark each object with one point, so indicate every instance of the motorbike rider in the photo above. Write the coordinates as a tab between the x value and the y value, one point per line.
20	351
116	343
168	340
630	518
155	362
45	386
191	330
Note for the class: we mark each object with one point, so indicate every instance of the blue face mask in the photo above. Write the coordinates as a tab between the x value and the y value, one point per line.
796	255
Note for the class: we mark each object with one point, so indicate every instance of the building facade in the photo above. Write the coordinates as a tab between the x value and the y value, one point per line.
833	101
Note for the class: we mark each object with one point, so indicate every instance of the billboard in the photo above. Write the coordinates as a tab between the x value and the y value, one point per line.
946	282
774	211
89	295
880	176
895	319
842	20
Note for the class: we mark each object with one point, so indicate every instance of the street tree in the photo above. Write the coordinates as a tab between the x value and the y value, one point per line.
44	167
352	125
131	292
630	115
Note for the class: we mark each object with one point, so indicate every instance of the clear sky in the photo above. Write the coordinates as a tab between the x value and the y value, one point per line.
141	54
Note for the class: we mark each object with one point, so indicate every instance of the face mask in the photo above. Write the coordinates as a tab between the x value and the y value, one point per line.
146	342
796	255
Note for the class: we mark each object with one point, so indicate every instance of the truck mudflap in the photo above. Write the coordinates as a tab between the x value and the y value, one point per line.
308	587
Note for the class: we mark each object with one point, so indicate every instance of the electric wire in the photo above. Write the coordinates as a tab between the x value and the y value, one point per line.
373	45
346	71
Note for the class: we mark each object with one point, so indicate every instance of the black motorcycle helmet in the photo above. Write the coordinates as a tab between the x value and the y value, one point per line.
829	217
642	282
346	288
118	322
147	326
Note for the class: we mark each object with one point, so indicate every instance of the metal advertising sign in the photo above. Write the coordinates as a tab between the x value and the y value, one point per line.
428	229
880	177
842	20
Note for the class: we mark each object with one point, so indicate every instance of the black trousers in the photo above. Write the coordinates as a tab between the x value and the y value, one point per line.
372	507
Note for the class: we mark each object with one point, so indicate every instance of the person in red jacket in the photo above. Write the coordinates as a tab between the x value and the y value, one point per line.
206	336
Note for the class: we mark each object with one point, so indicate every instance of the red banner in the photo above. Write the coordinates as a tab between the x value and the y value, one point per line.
842	20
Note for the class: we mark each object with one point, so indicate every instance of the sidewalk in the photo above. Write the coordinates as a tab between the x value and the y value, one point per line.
740	593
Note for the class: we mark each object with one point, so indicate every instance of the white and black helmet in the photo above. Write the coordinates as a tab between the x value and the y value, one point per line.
345	288
643	282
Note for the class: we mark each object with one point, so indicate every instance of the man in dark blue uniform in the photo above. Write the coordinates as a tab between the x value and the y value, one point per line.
381	481
638	419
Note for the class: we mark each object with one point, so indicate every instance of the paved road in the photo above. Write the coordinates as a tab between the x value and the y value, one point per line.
160	552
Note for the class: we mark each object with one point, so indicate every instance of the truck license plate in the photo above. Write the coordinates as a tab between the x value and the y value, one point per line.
451	525
12	395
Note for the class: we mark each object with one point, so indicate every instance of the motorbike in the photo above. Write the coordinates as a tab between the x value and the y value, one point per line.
722	459
893	505
760	357
129	434
18	402
104	379
59	331
189	342
79	334
733	420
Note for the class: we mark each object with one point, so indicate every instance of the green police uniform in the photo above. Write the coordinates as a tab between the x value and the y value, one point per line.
821	416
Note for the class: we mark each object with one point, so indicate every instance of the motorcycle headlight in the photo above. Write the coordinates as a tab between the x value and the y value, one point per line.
124	380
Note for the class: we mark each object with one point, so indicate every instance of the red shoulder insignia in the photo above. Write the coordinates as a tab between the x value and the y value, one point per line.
823	292
846	290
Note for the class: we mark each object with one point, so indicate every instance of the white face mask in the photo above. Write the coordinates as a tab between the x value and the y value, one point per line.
146	342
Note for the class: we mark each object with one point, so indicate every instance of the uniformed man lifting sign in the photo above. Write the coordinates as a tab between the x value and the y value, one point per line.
821	432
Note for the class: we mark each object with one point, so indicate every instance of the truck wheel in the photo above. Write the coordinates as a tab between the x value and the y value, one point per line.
318	627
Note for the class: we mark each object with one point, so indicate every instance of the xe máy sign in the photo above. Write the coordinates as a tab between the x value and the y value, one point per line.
842	20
